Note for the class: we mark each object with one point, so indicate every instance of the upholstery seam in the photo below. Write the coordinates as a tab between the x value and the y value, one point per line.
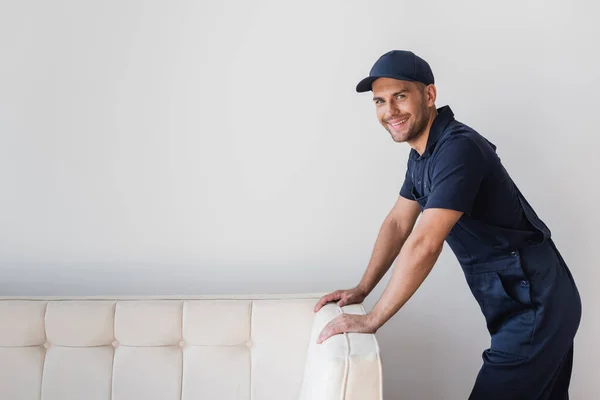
293	296
347	361
112	370
183	303
379	364
251	347
45	350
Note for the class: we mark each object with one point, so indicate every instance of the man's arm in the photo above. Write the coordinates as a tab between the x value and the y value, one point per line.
417	257
393	233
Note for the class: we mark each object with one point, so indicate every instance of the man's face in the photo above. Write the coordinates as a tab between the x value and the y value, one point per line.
403	107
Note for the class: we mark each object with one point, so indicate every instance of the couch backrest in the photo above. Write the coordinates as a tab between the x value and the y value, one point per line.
218	348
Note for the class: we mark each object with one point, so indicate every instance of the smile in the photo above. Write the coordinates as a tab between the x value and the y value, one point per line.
398	123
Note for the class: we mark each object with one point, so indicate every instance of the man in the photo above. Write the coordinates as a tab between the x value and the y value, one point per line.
515	272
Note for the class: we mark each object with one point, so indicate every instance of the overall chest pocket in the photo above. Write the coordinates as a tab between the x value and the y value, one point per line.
503	292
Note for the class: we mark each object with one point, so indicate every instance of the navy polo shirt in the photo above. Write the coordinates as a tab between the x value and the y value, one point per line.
460	170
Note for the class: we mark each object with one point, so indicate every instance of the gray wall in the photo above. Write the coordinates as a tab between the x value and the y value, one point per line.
219	147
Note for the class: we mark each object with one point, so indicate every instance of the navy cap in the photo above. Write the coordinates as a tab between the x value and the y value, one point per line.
398	64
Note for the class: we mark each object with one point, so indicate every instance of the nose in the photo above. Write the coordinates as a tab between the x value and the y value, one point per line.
391	110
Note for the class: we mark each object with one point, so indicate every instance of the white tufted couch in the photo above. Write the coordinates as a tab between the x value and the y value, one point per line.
208	348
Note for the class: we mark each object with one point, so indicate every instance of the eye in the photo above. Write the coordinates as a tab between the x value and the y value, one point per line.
378	101
400	96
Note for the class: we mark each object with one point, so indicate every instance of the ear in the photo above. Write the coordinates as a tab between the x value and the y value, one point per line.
430	95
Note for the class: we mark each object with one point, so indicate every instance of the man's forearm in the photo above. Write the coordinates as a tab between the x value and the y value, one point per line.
416	260
390	240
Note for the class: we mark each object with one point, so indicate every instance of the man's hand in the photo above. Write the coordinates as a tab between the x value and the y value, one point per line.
347	323
343	297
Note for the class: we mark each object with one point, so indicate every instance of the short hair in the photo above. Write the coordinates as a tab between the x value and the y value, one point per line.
421	86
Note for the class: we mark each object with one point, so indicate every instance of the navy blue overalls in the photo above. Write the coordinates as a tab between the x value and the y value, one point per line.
517	275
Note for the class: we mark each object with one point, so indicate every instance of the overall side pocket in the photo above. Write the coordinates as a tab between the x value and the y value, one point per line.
502	290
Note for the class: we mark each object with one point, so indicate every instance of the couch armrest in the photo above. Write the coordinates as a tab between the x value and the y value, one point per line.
346	366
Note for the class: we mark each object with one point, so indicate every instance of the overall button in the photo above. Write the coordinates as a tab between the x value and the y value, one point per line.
524	283
513	253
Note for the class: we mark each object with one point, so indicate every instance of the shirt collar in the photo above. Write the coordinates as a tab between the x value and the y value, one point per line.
441	121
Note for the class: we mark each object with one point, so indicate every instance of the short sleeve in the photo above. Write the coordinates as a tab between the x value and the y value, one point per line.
456	175
406	189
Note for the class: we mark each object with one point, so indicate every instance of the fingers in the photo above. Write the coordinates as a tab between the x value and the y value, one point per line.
346	323
325	334
333	328
327	299
348	298
343	302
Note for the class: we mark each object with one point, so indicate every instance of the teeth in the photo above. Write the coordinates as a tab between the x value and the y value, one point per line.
400	122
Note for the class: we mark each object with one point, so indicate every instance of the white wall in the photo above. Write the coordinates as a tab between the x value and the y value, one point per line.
217	147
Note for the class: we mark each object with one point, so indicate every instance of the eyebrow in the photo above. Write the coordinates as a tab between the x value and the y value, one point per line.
394	95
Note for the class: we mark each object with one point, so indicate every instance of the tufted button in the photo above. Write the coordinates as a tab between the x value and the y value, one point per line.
46	345
181	344
115	343
249	343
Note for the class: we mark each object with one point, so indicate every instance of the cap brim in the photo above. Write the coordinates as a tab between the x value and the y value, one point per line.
366	84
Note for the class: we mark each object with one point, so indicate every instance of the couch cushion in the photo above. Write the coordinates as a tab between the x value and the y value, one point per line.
77	373
280	336
147	373
148	322
216	322
216	372
80	323
21	372
22	323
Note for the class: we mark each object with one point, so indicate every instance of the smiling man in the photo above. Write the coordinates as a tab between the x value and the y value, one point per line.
515	272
